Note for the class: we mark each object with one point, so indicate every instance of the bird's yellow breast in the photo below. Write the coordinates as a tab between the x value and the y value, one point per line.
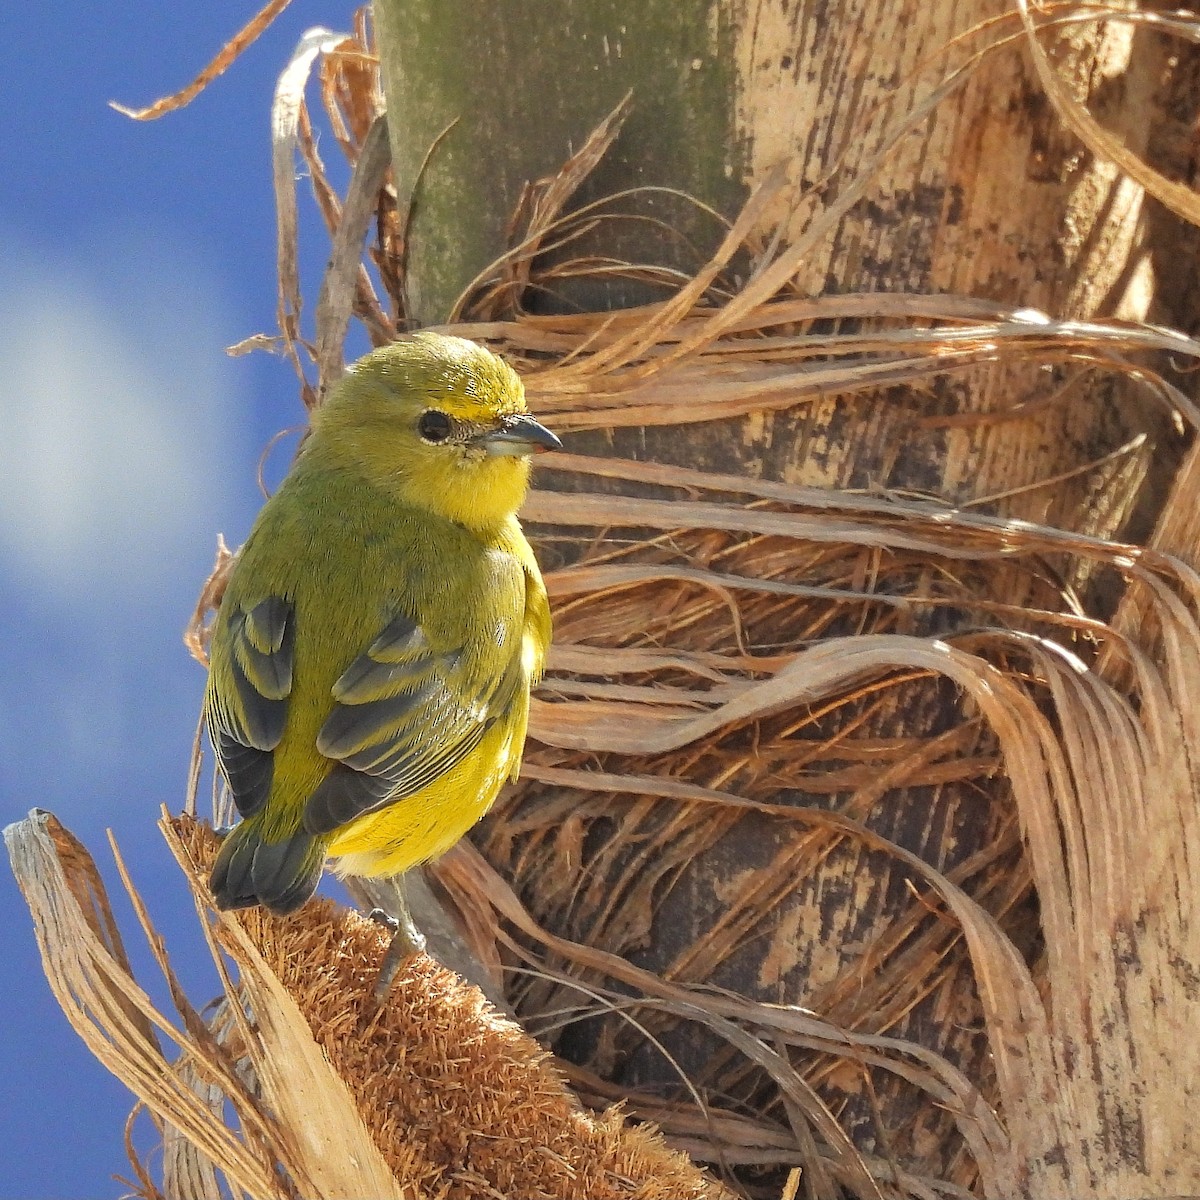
428	823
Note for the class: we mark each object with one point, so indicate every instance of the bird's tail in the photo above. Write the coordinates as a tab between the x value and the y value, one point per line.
252	869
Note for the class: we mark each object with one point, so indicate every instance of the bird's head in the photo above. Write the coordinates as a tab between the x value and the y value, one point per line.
439	422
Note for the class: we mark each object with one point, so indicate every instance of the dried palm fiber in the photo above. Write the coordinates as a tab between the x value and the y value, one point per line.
728	788
432	1094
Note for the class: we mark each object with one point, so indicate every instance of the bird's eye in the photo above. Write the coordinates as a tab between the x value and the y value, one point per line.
433	426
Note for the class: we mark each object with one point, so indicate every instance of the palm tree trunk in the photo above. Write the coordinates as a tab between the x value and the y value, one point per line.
902	178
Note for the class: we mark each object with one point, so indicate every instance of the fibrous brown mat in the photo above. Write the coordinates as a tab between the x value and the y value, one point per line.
458	1098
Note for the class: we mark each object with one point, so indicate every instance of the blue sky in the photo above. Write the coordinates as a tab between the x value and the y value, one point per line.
133	254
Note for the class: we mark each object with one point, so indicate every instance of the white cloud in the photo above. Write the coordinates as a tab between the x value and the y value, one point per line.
114	419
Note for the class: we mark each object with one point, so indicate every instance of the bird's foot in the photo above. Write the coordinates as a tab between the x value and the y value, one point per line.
407	940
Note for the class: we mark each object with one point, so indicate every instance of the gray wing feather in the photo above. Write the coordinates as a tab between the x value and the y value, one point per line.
401	720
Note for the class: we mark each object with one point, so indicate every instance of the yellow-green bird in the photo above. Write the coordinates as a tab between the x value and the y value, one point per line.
371	662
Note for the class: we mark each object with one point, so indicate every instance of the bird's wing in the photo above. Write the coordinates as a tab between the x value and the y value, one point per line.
405	714
246	701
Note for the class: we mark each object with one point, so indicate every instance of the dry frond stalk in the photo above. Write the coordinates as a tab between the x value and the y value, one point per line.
431	1095
227	56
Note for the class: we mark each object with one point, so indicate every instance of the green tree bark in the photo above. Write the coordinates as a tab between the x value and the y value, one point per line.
483	98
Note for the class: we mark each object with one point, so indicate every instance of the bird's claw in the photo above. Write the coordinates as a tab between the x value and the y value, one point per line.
407	940
382	917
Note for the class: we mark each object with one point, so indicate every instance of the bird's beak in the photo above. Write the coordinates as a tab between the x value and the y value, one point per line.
519	434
